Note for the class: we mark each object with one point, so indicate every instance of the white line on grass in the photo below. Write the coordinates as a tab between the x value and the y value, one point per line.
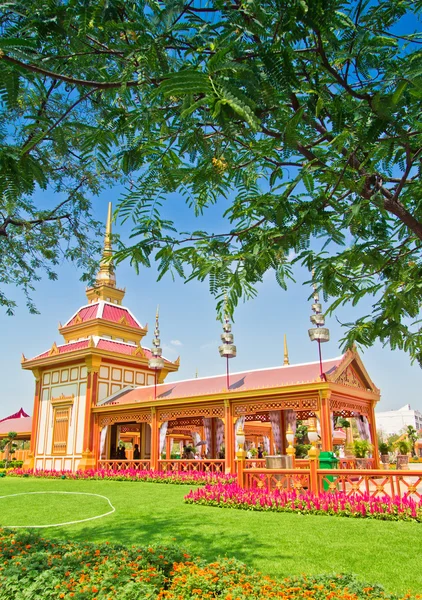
59	524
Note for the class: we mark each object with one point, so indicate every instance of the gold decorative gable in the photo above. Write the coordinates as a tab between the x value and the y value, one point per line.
53	350
77	319
123	320
350	378
138	352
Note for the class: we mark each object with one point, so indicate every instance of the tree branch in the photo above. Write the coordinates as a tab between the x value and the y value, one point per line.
98	85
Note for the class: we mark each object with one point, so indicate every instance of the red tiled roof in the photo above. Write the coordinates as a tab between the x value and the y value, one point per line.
21	425
245	381
70	347
120	347
114	313
17	415
86	314
103	310
101	344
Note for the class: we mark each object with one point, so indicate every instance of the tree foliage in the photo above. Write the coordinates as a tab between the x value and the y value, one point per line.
301	116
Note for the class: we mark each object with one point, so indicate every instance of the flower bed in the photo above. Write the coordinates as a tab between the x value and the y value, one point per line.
191	478
336	504
230	579
33	567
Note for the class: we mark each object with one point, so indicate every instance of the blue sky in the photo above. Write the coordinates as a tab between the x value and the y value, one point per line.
189	327
188	320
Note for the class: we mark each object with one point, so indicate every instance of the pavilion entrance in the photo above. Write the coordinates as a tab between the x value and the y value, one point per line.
125	445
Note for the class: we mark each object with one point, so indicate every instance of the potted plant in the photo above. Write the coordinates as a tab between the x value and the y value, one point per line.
361	449
384	449
403	447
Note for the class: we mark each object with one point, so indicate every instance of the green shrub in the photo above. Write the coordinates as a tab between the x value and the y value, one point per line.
12	464
384	448
403	446
361	448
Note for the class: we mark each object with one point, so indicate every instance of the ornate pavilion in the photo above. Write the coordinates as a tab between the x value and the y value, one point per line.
101	386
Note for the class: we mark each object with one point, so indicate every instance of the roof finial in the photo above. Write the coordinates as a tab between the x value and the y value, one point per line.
286	352
319	333
106	272
156	361
227	349
196	373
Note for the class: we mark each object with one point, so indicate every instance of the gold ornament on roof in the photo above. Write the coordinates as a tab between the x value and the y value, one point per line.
156	361
286	352
106	272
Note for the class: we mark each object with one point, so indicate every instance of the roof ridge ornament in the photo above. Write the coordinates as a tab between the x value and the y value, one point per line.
156	361
286	352
53	350
106	272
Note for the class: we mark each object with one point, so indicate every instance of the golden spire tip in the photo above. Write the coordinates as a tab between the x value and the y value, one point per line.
286	351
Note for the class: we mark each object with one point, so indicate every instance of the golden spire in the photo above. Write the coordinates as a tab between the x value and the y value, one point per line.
106	273
286	352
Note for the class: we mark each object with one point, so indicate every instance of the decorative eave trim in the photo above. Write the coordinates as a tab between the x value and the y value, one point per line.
233	395
18	435
356	393
81	354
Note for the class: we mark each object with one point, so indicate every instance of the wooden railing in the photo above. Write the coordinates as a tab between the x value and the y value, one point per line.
374	483
350	463
271	479
191	465
122	465
302	463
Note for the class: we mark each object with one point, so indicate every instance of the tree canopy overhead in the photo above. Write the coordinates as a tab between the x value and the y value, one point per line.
304	115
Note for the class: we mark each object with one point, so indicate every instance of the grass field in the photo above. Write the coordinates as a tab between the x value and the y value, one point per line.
277	544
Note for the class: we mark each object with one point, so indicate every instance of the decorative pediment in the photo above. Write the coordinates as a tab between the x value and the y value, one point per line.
77	319
351	372
138	351
53	350
350	378
123	320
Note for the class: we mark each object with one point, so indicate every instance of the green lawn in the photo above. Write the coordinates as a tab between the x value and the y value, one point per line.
276	544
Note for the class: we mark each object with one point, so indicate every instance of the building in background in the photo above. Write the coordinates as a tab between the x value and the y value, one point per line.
393	422
102	354
101	389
